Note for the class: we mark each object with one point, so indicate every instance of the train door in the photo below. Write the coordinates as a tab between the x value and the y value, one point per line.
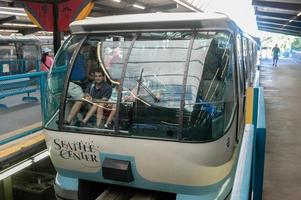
240	86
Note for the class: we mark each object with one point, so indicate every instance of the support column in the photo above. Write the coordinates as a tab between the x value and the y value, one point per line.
56	33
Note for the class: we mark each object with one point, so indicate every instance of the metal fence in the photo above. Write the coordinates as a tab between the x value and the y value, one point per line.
20	104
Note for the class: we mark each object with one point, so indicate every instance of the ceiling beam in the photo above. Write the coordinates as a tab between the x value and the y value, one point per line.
292	28
274	15
281	32
293	23
280	29
45	1
8	19
279	5
29	31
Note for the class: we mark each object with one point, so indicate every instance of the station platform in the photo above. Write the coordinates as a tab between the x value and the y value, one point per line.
282	91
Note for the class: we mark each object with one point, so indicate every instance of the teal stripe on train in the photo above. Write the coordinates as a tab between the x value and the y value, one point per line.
260	134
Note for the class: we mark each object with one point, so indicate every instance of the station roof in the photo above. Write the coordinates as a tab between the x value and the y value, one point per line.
13	19
278	16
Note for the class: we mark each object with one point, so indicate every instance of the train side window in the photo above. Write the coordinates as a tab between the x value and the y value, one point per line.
240	65
8	59
214	102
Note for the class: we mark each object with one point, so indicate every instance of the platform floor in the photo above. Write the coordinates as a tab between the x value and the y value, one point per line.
282	86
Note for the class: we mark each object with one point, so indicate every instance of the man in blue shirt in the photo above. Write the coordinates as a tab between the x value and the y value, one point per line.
97	91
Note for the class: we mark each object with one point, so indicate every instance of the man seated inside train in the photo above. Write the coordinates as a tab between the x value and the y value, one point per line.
95	92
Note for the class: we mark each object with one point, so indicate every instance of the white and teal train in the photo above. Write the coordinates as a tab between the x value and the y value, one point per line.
180	81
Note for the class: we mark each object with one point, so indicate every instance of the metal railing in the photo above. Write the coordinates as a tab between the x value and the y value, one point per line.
18	84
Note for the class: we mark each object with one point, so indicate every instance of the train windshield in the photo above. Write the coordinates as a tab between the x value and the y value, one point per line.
170	85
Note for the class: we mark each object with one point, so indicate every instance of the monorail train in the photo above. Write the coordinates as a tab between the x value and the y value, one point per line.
179	82
19	54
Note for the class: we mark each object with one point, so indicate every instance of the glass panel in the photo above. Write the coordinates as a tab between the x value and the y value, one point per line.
153	81
113	54
209	102
246	62
240	64
31	57
56	80
94	82
8	52
8	59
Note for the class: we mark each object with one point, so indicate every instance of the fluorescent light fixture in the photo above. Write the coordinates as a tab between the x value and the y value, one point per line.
22	165
19	25
299	14
118	1
13	9
12	13
186	5
139	6
8	31
290	21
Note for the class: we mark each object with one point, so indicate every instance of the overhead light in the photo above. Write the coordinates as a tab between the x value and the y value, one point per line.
290	21
9	31
299	14
139	6
12	13
186	5
14	9
19	25
118	1
22	165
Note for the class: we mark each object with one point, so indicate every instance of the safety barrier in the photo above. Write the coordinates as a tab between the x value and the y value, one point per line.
26	141
248	183
20	84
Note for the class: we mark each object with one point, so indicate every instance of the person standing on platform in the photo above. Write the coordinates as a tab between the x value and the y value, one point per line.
46	60
275	53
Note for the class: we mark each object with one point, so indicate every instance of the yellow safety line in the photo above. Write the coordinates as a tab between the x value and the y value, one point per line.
23	144
21	130
249	105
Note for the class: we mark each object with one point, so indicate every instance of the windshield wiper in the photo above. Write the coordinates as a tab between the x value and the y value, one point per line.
156	99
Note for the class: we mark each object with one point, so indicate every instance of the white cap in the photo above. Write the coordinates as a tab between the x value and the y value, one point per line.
46	50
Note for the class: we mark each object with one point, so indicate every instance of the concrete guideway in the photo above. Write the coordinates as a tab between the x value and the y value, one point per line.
282	86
